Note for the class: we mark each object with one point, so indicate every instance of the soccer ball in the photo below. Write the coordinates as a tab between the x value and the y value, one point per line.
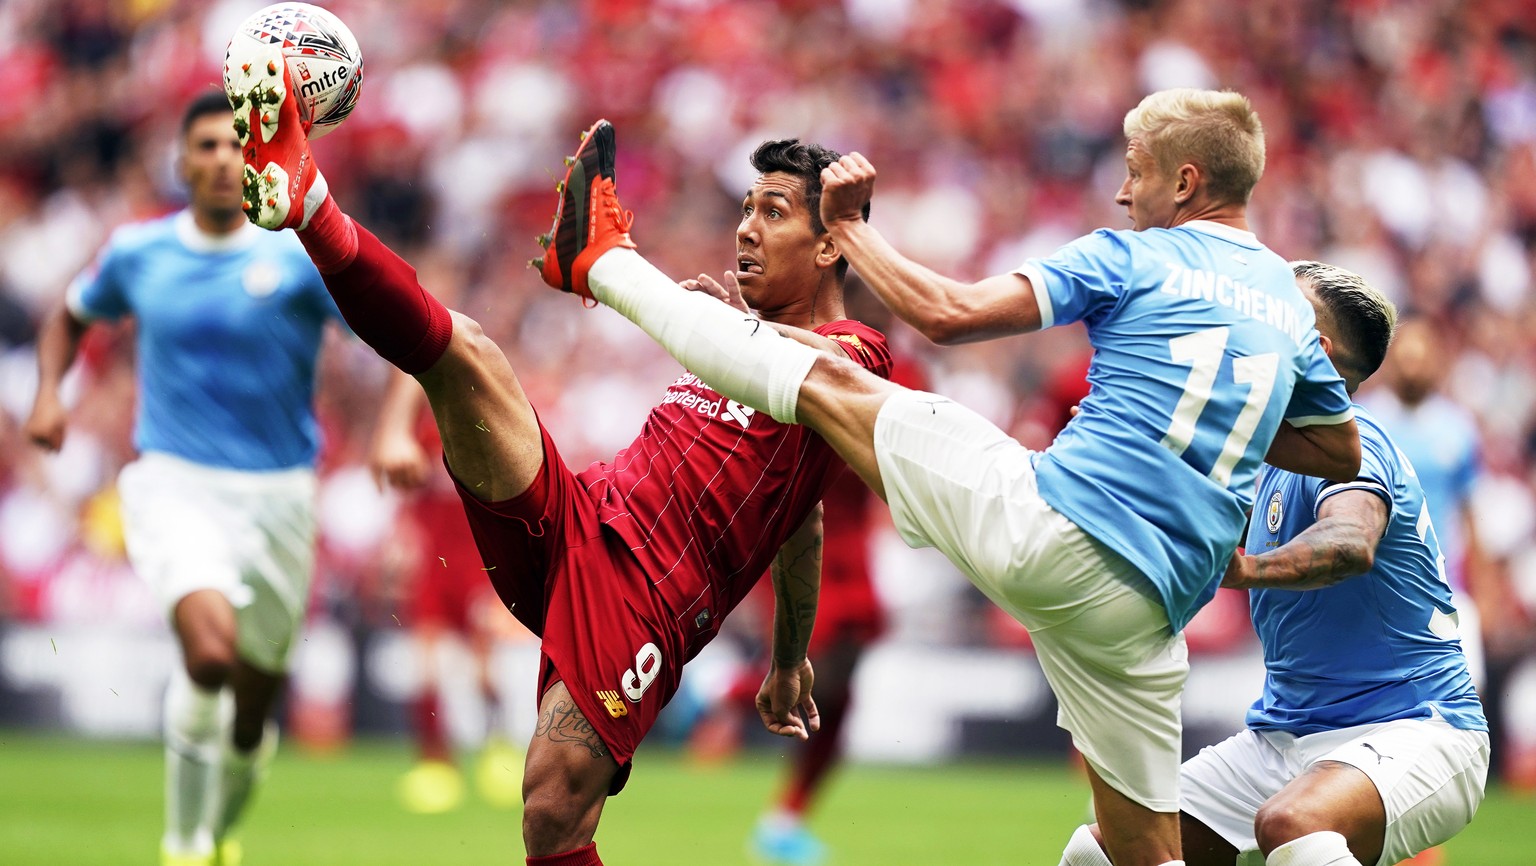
325	63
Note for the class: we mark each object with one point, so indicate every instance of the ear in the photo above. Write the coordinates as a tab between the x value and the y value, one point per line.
1189	181
1327	343
827	252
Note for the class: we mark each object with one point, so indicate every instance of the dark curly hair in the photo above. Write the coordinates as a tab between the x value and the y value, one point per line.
805	161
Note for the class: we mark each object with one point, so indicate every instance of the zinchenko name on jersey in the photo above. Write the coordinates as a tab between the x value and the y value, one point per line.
1222	289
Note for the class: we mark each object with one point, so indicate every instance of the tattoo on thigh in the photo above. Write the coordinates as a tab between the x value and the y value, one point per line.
563	722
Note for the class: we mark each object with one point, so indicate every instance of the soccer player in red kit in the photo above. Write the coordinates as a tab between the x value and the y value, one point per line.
625	569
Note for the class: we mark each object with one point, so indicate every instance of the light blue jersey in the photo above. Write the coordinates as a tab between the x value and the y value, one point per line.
1377	647
228	336
1202	344
1440	438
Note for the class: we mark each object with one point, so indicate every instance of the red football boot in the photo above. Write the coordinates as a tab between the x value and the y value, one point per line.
279	170
590	220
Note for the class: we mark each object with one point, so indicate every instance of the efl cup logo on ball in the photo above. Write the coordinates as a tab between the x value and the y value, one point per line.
325	64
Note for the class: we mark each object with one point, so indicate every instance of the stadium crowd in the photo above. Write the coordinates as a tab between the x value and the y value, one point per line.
1401	144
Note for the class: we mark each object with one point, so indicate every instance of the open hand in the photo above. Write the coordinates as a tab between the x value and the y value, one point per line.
727	290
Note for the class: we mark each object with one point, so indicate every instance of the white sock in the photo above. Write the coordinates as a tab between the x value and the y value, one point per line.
192	727
733	352
1324	848
242	773
1083	850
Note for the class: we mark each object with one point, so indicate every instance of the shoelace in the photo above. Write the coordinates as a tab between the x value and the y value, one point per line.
624	218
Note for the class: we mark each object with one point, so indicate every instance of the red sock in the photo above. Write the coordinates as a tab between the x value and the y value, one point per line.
330	238
817	755
377	291
583	856
429	727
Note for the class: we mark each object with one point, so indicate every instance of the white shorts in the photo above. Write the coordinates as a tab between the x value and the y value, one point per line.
956	482
1429	774
249	535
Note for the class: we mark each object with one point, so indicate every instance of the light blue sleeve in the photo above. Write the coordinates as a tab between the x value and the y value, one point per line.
1379	469
98	293
1081	279
1319	397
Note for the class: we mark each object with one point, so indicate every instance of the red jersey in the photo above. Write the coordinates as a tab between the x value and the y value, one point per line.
712	487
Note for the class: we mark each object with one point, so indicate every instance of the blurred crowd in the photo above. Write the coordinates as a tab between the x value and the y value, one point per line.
1401	144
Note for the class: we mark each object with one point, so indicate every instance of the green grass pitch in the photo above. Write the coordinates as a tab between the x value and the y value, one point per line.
99	804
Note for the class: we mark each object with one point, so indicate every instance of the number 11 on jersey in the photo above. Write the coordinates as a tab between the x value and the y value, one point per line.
1203	351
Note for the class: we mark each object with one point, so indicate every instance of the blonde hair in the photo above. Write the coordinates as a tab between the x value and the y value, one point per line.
1216	130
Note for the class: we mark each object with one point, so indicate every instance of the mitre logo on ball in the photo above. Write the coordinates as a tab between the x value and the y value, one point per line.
324	61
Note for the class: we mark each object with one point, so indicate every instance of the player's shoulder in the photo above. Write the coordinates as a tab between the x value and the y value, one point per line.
139	235
1106	240
850	331
1376	440
1370	426
864	343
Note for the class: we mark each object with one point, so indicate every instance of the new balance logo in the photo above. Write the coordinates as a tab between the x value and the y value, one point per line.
614	704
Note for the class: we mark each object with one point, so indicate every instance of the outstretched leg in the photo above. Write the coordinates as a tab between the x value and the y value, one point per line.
489	431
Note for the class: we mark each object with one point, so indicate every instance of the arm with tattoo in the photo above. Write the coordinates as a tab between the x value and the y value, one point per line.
784	702
796	586
1341	544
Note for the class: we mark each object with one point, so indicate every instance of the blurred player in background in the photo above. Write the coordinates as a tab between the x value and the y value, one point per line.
1369	743
626	569
447	597
218	508
1107	542
849	618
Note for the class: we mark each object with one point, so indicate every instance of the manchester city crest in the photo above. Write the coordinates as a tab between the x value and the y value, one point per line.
1274	513
261	278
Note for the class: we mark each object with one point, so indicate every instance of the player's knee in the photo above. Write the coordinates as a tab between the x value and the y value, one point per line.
843	374
553	816
837	385
468	345
1282	821
210	661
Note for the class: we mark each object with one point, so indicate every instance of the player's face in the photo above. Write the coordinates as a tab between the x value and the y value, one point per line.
211	163
1416	365
776	249
1147	194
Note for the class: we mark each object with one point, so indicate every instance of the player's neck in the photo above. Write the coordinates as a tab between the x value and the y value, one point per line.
1231	215
824	305
218	221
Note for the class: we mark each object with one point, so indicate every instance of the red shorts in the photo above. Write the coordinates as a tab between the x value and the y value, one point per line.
576	585
450	579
